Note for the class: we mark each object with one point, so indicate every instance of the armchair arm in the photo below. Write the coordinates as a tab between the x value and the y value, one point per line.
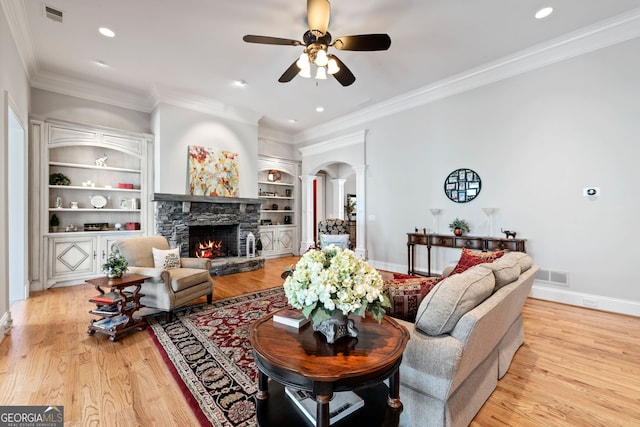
201	263
156	274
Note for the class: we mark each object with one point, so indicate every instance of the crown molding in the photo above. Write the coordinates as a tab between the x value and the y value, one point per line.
346	140
205	105
274	135
16	14
92	91
602	34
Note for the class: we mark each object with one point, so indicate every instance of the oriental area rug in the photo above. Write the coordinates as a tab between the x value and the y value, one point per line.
207	348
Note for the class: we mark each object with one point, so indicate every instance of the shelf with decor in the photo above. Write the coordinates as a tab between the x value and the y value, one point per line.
278	189
96	181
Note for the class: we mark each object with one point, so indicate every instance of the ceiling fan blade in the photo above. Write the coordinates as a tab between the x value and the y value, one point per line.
318	14
344	76
270	40
291	72
363	42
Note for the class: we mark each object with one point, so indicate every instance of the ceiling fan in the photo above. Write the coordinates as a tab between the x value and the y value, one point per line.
317	40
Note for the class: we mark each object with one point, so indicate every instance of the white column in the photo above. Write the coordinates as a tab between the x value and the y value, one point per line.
361	212
306	218
338	197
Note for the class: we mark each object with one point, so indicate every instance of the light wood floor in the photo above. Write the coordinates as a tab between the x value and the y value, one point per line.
578	367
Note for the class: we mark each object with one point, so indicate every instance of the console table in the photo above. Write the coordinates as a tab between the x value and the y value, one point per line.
451	241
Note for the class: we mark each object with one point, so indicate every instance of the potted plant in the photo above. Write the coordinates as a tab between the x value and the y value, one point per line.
258	247
459	226
115	266
54	222
59	179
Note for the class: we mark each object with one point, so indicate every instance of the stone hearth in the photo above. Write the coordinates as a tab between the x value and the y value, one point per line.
175	213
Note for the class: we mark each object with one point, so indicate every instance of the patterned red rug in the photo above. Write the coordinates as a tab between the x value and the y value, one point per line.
208	351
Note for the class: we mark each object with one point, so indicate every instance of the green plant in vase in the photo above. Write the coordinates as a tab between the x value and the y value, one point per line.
115	266
459	226
54	222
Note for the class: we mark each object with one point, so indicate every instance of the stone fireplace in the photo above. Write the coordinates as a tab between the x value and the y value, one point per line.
187	220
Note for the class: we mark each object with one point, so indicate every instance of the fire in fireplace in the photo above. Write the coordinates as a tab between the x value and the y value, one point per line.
208	249
212	241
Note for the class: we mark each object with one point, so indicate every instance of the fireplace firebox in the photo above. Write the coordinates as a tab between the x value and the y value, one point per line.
213	241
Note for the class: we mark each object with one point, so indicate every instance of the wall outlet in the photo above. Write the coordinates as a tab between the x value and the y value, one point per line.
590	302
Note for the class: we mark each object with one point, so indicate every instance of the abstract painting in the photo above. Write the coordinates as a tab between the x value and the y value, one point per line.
213	172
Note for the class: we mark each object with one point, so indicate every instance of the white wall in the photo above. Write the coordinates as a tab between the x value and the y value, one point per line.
176	128
52	105
14	84
536	140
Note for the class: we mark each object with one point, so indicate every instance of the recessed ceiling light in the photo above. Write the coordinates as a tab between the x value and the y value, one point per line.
293	121
101	63
239	83
106	32
319	109
544	12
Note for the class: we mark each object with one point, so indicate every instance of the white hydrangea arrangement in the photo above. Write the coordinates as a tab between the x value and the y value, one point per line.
332	279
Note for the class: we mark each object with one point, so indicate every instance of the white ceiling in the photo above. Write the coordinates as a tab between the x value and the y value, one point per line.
193	49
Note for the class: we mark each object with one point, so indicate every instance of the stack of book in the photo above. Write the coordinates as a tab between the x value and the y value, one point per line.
111	309
109	297
293	318
342	404
110	323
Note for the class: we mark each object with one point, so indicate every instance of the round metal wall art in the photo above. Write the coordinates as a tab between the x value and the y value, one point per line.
462	185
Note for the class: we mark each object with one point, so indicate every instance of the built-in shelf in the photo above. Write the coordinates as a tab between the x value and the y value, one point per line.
276	210
284	184
92	210
77	187
83	166
276	197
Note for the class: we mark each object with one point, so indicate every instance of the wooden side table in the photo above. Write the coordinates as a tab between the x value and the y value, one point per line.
126	302
304	360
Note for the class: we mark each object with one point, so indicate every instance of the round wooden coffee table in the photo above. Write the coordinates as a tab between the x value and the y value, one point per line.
302	359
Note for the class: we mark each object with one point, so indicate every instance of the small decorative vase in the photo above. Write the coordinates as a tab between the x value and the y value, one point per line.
457	231
111	275
336	327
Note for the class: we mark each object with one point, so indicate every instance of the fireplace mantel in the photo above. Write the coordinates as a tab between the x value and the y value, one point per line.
164	197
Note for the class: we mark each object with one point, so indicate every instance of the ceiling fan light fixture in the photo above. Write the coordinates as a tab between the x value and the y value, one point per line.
321	74
305	72
332	66
321	58
303	61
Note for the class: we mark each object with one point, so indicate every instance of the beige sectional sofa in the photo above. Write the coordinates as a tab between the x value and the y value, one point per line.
466	332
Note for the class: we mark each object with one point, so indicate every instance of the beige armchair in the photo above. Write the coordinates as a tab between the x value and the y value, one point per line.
167	289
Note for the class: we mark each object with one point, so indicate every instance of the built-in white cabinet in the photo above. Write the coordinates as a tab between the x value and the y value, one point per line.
278	240
93	190
279	213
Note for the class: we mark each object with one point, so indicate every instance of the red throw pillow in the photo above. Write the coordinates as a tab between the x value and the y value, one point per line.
470	258
406	294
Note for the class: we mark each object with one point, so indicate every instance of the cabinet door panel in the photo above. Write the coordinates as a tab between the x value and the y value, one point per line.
285	240
72	256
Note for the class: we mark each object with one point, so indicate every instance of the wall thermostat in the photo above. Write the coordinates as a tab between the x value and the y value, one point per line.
591	191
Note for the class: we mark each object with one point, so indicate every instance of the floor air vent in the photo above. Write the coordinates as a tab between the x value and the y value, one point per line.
53	14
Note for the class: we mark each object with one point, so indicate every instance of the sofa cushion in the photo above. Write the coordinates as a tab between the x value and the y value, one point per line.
470	258
340	240
183	278
406	294
441	309
166	258
506	270
523	260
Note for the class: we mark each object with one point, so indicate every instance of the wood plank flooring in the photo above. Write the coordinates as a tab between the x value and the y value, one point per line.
578	367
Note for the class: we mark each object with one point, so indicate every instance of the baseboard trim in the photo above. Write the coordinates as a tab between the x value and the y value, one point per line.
597	302
5	324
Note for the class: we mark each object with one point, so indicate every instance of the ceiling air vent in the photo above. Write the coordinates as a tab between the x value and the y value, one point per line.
53	14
